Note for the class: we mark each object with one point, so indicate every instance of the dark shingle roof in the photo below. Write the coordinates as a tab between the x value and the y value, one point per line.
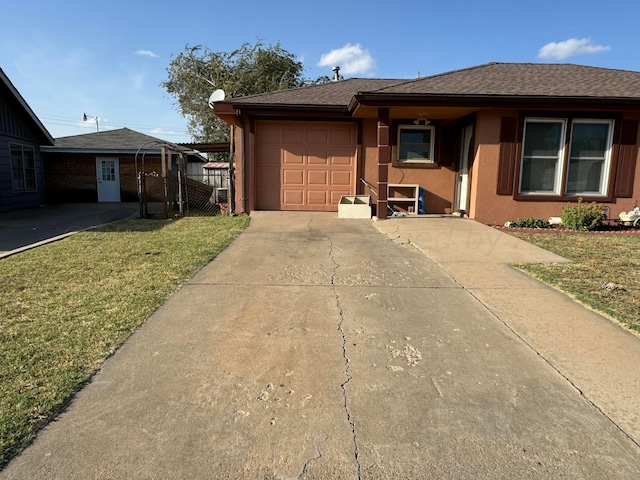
526	79
123	139
328	94
505	80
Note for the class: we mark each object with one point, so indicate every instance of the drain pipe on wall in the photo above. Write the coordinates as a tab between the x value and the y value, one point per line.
243	208
232	170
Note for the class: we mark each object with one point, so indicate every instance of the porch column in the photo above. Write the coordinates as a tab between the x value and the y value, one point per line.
384	156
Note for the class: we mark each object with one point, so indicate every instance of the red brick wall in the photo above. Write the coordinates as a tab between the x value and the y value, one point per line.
70	178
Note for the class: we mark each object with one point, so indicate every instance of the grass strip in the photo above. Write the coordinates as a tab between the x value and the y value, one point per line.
67	306
605	274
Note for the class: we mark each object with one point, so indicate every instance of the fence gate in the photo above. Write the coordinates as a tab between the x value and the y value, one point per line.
189	188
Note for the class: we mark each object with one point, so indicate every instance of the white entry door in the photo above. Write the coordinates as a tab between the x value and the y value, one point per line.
108	176
462	184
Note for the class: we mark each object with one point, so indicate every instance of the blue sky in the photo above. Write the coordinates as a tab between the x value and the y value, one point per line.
107	59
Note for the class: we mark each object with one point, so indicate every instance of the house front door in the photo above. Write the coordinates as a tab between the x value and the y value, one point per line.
462	181
108	177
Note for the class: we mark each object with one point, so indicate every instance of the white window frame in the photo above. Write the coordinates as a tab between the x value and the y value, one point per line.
557	182
431	159
563	160
606	166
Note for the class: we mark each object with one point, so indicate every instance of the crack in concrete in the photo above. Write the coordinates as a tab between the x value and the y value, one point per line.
312	459
346	359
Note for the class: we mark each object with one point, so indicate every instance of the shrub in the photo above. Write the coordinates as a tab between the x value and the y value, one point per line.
583	216
530	223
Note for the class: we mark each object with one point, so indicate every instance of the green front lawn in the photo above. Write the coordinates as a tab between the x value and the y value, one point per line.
66	306
605	274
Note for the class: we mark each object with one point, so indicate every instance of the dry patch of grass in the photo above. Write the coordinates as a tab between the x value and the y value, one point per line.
605	274
66	306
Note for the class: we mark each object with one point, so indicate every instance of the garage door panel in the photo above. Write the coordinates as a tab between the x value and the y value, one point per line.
318	156
317	136
293	156
317	178
292	135
343	179
270	157
271	135
304	166
342	137
293	177
334	195
270	178
317	197
293	197
269	198
341	158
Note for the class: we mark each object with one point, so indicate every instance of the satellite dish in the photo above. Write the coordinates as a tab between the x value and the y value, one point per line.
216	96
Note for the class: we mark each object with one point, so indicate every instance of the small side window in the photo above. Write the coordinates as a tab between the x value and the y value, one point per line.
416	143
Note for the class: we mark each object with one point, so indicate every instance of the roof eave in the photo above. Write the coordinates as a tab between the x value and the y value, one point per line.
228	109
540	101
98	151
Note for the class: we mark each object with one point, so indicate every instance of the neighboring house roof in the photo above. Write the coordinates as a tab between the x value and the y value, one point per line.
44	136
487	83
120	141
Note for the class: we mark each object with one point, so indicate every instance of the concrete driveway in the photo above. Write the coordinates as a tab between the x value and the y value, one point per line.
22	229
321	348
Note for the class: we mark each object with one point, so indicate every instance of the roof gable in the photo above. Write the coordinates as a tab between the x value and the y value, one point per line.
43	135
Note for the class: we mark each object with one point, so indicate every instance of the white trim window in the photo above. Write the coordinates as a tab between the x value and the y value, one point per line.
23	168
589	157
416	143
546	169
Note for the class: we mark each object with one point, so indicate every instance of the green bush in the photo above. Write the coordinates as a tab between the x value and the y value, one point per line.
530	223
583	216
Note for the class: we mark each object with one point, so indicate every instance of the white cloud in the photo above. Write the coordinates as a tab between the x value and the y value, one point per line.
569	48
352	59
162	131
146	53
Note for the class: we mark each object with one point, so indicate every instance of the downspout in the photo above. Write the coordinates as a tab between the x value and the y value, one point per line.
232	190
243	164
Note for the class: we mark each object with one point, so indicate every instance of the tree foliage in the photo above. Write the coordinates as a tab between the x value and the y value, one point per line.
249	70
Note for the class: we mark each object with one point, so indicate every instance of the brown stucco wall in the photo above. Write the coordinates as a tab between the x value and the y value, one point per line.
484	203
492	209
439	182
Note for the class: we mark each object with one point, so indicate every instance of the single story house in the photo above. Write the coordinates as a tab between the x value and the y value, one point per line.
497	142
104	166
21	134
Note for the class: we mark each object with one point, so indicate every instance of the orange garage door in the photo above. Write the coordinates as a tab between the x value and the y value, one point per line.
304	165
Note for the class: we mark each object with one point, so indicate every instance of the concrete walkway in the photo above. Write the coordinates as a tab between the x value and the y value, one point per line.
29	228
315	347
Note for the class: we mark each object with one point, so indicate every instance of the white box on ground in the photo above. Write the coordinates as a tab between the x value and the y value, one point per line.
354	206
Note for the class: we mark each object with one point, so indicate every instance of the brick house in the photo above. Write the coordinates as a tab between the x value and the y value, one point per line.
103	166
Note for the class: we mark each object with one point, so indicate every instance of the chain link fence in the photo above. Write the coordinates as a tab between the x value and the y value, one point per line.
189	194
